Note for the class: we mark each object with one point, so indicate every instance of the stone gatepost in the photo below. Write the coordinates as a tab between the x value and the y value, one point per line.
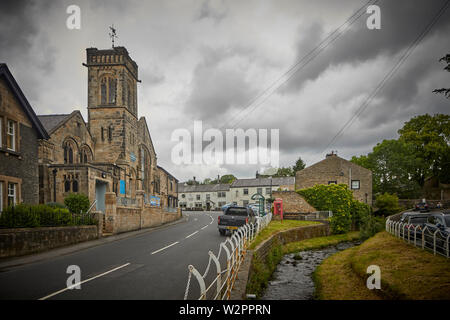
140	204
111	219
99	216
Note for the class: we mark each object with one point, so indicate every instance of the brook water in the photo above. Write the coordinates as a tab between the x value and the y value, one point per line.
292	280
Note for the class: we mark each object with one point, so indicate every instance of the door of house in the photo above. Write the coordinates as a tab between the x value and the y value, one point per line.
100	190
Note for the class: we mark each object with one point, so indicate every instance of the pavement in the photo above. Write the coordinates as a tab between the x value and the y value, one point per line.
146	264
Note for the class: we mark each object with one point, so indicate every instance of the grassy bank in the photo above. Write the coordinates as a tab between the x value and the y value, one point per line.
320	242
406	272
262	269
277	226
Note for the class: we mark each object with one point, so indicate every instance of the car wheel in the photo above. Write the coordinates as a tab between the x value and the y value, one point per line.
222	232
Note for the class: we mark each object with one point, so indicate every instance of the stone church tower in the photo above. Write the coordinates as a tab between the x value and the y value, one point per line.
112	103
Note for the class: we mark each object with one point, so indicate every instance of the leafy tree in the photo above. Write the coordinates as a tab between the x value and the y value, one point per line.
192	182
392	165
299	165
228	178
429	137
445	91
208	181
284	172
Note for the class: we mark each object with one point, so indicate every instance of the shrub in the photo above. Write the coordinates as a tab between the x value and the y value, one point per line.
358	212
370	226
56	205
337	198
77	203
387	204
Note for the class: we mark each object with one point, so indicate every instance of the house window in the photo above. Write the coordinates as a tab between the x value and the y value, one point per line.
208	197
12	194
259	190
11	135
268	190
355	184
332	182
198	197
245	191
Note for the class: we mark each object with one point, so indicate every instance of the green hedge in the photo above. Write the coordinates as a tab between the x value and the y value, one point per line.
32	216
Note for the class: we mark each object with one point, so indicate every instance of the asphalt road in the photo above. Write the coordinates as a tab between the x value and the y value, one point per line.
151	265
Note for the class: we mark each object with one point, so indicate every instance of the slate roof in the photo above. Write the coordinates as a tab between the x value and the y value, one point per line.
263	182
203	187
52	121
15	89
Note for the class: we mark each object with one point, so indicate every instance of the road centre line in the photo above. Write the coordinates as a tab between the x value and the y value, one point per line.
204	227
170	245
191	234
84	281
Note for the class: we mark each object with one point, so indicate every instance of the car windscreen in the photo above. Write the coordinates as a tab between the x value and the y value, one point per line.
417	220
236	212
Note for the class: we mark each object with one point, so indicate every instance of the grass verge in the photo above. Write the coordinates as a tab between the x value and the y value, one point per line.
276	226
407	272
320	242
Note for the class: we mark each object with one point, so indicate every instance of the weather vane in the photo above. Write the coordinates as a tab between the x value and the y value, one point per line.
113	34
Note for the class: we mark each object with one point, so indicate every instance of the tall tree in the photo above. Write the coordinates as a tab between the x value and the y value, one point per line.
445	91
299	165
429	137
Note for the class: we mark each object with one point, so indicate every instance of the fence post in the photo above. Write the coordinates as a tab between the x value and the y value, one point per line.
423	237
434	242
200	280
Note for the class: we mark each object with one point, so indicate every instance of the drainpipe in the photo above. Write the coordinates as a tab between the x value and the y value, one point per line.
54	184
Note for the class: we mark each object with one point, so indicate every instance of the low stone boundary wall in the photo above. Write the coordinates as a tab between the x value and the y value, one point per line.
119	219
22	241
264	248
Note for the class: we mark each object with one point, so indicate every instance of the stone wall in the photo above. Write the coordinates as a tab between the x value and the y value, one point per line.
264	248
18	242
293	202
120	219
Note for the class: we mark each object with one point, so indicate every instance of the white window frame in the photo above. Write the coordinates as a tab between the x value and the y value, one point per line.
13	134
359	184
14	195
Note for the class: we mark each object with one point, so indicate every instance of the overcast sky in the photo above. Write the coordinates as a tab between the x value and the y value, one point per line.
206	60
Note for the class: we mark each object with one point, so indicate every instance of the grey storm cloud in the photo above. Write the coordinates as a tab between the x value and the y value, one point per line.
218	87
207	59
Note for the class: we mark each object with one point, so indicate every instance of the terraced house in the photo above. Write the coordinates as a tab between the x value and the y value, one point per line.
110	152
20	132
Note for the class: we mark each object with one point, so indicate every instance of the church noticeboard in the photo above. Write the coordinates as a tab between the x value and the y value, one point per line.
122	187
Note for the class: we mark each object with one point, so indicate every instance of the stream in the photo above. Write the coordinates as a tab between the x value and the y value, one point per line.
292	280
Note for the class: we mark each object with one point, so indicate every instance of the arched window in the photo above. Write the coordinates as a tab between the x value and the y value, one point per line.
75	186
67	186
70	155
108	90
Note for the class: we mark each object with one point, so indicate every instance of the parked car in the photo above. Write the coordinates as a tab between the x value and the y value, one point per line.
414	219
438	221
235	217
422	207
226	206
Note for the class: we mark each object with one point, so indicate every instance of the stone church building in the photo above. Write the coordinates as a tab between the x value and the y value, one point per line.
112	151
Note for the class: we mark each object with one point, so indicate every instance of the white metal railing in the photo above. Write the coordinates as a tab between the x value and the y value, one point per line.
233	250
422	237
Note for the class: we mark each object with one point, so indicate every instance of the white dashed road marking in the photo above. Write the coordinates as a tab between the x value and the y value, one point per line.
170	245
84	281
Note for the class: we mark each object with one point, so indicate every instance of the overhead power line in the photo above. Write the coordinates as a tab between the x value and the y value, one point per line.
299	65
390	73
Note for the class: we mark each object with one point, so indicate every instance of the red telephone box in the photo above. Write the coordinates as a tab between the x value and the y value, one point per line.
278	207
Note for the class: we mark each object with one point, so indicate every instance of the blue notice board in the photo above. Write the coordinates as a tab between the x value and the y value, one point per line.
122	187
